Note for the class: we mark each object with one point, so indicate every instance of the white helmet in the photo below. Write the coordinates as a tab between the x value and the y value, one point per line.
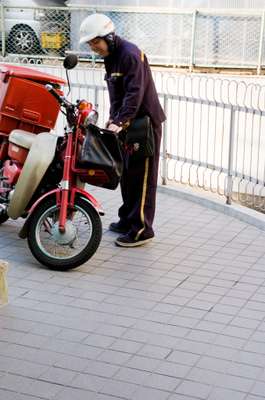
95	25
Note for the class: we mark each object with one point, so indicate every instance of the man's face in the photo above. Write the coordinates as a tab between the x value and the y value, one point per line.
99	46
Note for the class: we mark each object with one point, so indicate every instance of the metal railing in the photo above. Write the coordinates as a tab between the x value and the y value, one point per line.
213	138
177	37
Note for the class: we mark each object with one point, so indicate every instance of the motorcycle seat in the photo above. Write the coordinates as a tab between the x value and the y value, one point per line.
22	138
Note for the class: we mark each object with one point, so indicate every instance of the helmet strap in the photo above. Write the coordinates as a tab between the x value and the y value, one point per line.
110	40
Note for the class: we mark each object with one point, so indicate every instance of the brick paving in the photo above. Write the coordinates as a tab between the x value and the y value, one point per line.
179	319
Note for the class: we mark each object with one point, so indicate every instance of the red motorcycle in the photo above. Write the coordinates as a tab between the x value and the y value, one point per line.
43	175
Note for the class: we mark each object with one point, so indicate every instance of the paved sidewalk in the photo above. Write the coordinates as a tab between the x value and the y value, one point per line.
179	319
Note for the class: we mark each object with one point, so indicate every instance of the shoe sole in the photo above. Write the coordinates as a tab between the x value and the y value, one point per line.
136	244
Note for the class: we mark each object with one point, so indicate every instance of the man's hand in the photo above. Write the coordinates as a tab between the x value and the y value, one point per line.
107	124
115	128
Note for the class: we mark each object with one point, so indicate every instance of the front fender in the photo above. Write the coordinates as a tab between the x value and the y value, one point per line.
23	233
88	197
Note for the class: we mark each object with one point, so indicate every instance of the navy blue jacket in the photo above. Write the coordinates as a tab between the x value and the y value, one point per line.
131	87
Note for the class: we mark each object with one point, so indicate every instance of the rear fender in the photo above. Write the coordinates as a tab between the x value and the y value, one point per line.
23	233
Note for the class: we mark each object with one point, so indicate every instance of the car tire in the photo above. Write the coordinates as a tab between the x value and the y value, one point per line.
23	40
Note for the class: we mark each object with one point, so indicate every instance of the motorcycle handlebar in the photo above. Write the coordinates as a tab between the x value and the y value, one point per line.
50	89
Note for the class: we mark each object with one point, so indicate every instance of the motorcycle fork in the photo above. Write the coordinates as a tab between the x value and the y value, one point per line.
66	183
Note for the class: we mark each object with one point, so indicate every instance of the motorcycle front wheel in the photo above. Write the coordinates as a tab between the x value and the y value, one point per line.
63	251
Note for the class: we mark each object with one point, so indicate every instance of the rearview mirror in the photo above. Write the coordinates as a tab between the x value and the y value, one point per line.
70	61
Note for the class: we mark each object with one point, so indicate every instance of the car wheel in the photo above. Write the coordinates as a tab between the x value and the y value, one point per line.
23	40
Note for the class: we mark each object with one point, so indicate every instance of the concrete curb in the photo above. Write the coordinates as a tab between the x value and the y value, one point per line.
208	200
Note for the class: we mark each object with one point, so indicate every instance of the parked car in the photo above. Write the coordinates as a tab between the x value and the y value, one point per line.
32	30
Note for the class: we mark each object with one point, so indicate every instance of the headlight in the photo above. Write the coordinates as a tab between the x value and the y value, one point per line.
92	118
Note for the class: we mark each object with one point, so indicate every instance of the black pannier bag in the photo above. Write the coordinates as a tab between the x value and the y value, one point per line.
101	152
139	138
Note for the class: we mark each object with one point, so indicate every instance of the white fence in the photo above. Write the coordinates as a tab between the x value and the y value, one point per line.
214	136
169	36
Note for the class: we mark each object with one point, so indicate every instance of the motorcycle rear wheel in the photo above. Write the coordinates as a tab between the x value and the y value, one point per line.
57	251
3	217
3	214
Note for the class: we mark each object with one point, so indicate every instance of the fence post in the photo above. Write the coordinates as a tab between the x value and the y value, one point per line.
261	41
229	188
193	34
96	97
2	17
164	143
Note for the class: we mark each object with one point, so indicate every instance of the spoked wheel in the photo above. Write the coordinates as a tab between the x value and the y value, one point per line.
63	251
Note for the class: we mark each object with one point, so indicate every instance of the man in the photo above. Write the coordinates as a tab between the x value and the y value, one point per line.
132	94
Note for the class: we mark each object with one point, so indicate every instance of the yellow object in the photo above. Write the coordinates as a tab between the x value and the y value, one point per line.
52	40
91	172
3	283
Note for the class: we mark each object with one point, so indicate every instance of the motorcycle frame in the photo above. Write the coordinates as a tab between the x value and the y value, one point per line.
66	194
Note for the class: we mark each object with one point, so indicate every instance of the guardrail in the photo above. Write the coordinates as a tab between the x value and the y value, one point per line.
224	38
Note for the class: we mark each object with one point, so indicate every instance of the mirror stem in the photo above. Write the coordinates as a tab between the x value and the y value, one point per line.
68	82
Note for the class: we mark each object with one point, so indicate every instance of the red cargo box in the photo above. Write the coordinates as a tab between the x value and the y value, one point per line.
24	101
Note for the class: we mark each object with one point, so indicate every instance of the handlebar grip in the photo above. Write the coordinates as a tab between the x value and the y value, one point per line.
54	93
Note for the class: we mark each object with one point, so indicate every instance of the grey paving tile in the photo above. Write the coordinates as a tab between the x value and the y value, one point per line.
202	336
154	352
9	395
195	389
114	357
72	335
229	341
19	367
71	362
89	382
97	340
31	354
149	393
132	375
44	389
182	357
75	394
258	389
106	370
172	369
28	386
221	394
162	382
119	389
126	346
220	379
181	397
142	363
58	375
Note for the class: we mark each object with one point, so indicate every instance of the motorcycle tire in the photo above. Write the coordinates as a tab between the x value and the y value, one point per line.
3	215
3	218
78	259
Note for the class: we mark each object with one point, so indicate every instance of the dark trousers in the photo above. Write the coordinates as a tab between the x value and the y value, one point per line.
138	189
